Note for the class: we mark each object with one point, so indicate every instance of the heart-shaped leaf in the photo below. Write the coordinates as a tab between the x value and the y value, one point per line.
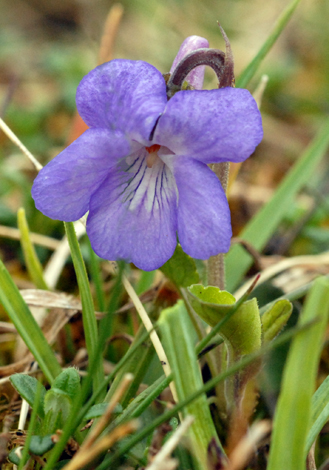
180	269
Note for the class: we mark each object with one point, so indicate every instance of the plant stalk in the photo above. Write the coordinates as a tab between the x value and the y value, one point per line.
216	264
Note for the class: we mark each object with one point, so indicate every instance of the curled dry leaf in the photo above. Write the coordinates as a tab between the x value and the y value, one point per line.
47	299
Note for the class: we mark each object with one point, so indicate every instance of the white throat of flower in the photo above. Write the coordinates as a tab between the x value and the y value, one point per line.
148	181
152	156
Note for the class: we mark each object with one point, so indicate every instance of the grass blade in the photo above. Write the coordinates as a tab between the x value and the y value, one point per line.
177	336
88	311
33	264
292	418
319	413
259	230
253	66
95	271
137	365
27	327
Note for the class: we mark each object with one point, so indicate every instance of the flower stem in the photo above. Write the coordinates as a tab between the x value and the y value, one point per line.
216	264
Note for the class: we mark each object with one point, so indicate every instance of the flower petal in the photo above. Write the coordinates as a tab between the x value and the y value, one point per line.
123	95
133	215
212	126
63	188
204	225
192	43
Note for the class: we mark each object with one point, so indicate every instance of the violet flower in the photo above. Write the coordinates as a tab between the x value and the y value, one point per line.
141	169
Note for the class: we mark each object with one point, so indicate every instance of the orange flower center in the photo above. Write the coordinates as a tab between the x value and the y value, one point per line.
153	148
152	155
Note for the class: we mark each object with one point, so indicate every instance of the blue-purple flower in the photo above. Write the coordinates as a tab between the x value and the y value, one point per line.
141	167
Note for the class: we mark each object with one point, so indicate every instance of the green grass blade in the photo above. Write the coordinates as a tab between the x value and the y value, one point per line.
143	400
88	311
253	66
138	365
26	325
262	226
94	267
319	413
32	262
293	414
177	337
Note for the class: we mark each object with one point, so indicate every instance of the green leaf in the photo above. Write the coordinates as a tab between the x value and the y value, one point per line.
68	381
213	295
57	401
275	318
263	225
27	387
33	264
39	445
181	269
290	429
57	409
319	413
88	311
177	336
279	26
243	331
13	457
26	325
